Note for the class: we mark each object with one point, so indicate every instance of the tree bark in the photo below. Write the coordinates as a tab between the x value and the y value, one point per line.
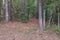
58	18
0	7
6	11
22	6
40	14
44	18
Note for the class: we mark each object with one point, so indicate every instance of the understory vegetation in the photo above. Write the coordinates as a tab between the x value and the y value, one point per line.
24	10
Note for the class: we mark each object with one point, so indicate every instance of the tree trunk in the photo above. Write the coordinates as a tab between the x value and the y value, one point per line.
10	9
40	14
22	6
6	11
58	18
44	18
0	6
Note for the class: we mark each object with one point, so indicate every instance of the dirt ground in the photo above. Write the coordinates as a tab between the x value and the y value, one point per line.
25	31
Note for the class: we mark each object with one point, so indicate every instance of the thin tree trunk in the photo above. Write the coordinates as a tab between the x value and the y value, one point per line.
6	10
0	7
40	14
58	19
44	18
50	19
22	6
10	8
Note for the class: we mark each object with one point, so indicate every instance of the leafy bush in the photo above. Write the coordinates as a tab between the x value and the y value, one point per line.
30	4
22	17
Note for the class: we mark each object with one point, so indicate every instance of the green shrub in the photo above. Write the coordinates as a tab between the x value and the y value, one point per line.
22	17
56	28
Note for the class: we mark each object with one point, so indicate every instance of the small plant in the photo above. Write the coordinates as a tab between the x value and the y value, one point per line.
47	27
23	18
20	30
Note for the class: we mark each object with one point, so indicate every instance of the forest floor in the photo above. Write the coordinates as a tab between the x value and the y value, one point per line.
25	31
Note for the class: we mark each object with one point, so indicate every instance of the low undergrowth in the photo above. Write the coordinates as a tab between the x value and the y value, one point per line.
54	28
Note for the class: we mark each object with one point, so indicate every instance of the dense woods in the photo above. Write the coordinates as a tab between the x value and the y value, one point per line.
47	11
